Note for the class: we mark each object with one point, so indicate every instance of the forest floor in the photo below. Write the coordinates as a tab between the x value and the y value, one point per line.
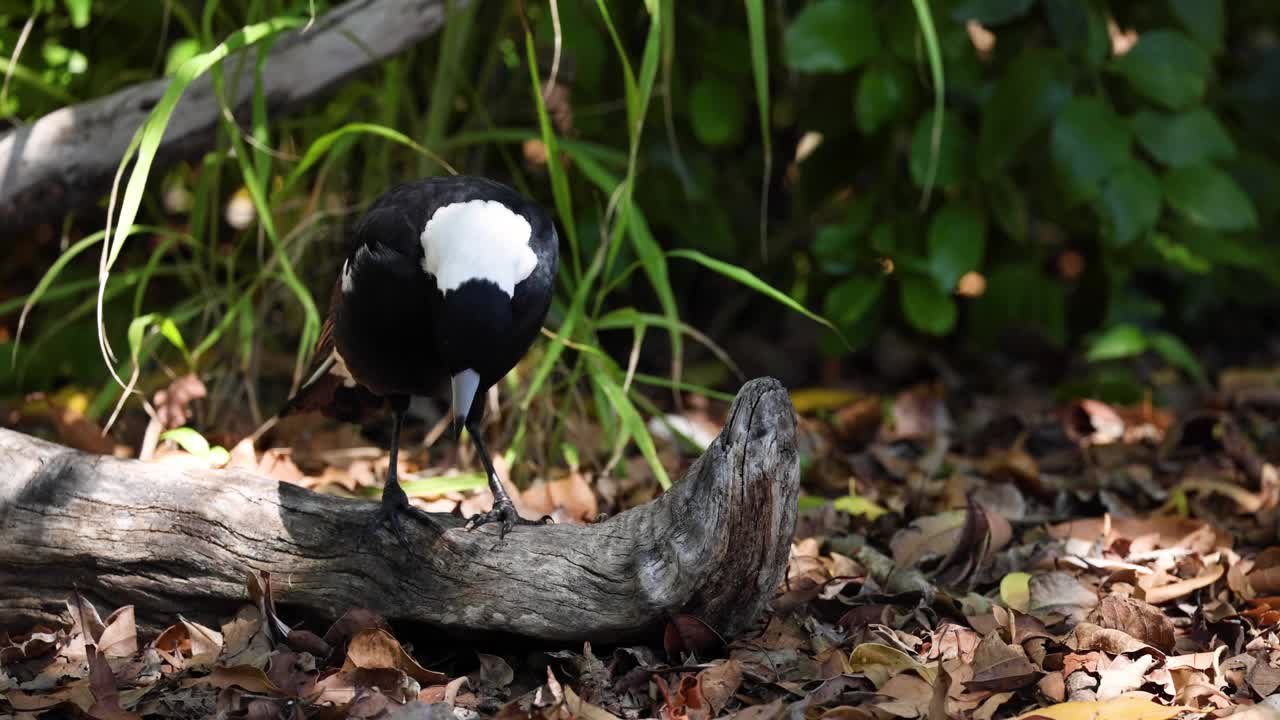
958	555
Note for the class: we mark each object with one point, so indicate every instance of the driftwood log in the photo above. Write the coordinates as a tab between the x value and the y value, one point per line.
171	541
67	159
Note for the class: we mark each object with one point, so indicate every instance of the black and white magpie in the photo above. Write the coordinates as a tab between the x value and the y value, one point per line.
447	278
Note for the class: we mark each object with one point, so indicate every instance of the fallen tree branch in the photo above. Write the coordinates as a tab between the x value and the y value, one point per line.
67	159
170	541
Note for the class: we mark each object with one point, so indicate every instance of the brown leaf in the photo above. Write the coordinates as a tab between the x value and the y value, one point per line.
245	677
1175	590
1264	578
569	499
719	682
999	666
941	689
909	696
1058	593
1087	636
494	671
120	635
245	641
352	622
376	648
294	673
102	683
688	634
1139	619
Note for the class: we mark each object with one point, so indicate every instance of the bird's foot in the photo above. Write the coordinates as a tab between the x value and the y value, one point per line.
395	503
505	514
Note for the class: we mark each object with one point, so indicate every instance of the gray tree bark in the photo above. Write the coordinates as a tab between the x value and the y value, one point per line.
67	159
173	541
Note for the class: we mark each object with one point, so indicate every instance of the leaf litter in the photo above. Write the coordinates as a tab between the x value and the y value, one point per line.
955	558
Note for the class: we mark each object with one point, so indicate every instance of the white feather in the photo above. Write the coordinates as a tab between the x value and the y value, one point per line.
347	285
477	240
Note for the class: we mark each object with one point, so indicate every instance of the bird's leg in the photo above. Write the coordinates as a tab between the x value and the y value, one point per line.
394	500
503	511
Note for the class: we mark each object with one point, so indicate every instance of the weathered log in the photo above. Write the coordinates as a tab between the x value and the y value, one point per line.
170	541
67	159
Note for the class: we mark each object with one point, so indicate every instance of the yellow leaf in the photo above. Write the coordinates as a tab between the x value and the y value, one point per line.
1015	591
809	400
858	505
881	662
1125	707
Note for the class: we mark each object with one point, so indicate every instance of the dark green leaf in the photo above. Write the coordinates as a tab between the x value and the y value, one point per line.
1165	66
836	247
955	150
1078	28
1119	341
926	306
887	91
1129	204
1187	138
1019	296
1204	19
1210	198
882	239
957	239
848	302
1009	205
1088	142
717	112
1027	96
1178	254
990	12
1176	353
831	36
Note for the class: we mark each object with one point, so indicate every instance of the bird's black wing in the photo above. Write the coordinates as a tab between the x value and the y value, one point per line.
328	387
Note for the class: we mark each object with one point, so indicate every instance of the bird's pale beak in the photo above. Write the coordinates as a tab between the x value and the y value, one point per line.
465	385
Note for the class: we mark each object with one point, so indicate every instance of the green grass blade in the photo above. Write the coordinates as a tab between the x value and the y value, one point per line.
749	279
559	178
631	91
668	383
449	64
258	194
325	142
655	266
934	52
153	129
760	71
632	423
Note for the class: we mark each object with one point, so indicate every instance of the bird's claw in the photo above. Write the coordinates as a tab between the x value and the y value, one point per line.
505	514
394	503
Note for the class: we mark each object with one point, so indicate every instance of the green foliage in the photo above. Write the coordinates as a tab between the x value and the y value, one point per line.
831	36
1166	67
1156	164
1137	160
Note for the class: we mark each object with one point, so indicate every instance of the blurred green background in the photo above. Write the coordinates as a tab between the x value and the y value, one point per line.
1100	187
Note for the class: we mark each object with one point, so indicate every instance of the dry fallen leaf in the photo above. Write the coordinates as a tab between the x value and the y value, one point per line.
377	649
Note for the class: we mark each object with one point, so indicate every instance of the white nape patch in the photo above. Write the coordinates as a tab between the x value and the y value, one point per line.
347	285
477	240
